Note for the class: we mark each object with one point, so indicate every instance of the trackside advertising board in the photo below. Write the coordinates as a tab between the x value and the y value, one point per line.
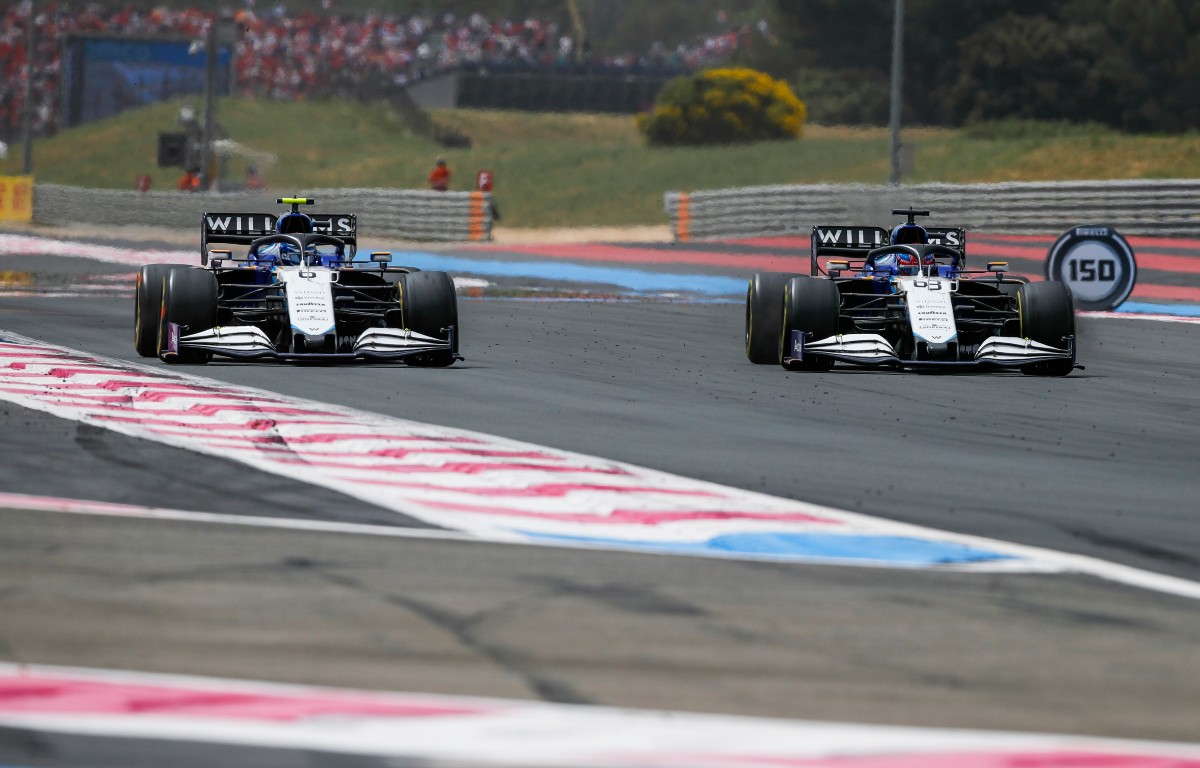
1096	263
16	198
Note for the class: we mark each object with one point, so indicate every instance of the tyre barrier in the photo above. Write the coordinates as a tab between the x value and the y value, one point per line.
407	214
1140	207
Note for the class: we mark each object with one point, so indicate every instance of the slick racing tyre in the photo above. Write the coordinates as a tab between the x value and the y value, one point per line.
810	305
429	306
147	303
764	308
189	298
1048	316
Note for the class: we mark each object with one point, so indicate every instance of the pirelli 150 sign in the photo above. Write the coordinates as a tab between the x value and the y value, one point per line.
1096	264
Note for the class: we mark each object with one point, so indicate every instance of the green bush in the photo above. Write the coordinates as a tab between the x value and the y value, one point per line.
845	96
723	106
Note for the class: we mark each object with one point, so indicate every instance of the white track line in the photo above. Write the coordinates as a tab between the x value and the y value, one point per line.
1142	316
32	375
435	730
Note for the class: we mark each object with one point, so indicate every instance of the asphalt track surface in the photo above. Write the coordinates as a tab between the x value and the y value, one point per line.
1101	463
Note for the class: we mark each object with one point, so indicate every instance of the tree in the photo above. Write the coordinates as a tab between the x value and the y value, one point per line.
1027	67
1132	64
1152	59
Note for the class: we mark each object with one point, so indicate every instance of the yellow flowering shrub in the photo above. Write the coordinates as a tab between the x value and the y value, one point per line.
723	106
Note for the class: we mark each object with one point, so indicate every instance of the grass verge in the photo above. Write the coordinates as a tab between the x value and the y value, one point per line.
556	170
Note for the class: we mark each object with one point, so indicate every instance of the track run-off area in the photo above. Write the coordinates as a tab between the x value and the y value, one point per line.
603	518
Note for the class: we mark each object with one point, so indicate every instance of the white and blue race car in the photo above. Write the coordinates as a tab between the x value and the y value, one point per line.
905	299
296	293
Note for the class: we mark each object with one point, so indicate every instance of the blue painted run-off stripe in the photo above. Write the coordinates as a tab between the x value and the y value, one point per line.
631	279
1142	308
815	547
642	280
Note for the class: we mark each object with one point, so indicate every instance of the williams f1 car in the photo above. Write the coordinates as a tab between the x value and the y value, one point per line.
297	293
905	299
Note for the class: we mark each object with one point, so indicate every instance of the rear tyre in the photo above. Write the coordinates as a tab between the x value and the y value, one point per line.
147	303
189	298
810	305
764	310
429	305
1047	315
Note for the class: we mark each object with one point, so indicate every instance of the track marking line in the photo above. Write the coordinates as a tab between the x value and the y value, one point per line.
467	482
438	730
1188	318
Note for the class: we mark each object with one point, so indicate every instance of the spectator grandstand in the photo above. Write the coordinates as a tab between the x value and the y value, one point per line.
282	56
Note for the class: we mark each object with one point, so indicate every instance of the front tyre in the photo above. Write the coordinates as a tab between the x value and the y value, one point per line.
764	307
1047	315
429	306
189	299
147	303
811	305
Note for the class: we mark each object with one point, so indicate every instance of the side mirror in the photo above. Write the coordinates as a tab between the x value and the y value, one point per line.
997	266
217	255
381	257
836	267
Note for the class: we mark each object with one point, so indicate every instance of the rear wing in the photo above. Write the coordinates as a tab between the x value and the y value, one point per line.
857	242
245	228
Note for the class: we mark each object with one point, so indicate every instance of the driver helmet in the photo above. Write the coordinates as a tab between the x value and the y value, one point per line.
294	224
909	234
899	262
907	264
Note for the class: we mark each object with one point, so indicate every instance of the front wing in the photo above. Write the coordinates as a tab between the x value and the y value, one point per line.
247	342
871	349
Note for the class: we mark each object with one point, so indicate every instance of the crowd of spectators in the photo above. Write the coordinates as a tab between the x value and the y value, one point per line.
281	56
278	55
